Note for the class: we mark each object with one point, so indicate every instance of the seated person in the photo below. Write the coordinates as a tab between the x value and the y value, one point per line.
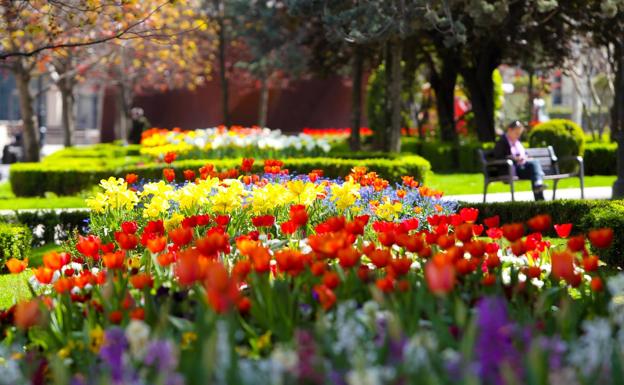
509	146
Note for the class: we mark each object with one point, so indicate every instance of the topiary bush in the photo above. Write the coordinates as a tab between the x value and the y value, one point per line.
15	240
566	137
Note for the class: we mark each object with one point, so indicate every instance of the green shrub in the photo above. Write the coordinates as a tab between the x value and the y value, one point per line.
15	241
101	150
600	158
566	137
72	176
584	214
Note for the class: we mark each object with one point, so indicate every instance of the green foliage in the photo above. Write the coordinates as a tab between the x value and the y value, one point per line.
376	99
35	179
15	241
102	150
566	137
584	214
600	158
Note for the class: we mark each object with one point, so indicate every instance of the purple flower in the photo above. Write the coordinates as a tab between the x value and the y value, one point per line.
308	368
494	347
160	353
112	351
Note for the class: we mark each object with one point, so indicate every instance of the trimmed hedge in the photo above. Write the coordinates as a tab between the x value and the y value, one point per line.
584	214
69	177
600	158
15	241
102	150
47	226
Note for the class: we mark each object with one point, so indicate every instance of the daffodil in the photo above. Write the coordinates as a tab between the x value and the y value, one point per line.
345	195
157	206
389	210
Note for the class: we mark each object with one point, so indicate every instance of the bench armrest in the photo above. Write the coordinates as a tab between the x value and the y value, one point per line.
499	162
577	159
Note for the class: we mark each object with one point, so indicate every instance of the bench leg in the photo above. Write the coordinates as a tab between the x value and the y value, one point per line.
511	186
485	187
555	188
582	180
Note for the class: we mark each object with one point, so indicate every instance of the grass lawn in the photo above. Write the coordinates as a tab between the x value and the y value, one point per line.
8	201
457	184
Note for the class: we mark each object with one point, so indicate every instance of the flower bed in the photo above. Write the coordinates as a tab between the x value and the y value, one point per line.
221	142
280	279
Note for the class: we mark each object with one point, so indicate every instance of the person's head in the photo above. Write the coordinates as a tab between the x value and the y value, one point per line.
514	130
136	112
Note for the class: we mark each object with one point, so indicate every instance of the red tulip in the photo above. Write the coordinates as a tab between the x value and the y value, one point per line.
492	221
141	281
189	175
513	231
247	164
169	174
540	223
263	221
126	241
131	178
477	230
156	244
129	227
181	236
601	238
440	276
576	243
469	214
563	265
88	246
563	230
170	157
298	215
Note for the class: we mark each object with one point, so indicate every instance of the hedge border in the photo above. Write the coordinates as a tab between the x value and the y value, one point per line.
583	214
69	176
15	241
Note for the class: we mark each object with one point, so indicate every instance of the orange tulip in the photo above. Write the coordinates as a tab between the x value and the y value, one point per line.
16	266
141	281
28	314
156	244
63	285
44	275
114	260
53	261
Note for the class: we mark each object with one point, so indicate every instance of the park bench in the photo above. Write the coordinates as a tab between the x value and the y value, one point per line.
502	170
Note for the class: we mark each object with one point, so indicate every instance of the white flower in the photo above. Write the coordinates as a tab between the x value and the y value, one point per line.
593	350
137	333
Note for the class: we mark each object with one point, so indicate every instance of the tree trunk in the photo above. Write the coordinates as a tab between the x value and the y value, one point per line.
264	103
66	88
393	143
124	120
222	71
617	119
481	89
357	70
30	135
444	87
530	96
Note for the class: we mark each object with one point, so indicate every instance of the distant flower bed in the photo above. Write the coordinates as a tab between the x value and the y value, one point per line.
272	278
234	142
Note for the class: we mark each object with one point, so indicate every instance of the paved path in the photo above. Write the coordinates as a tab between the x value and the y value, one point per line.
568	193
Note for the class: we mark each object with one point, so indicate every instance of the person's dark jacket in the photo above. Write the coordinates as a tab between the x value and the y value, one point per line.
502	150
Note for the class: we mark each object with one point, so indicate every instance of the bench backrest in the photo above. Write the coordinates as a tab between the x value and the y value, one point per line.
544	155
